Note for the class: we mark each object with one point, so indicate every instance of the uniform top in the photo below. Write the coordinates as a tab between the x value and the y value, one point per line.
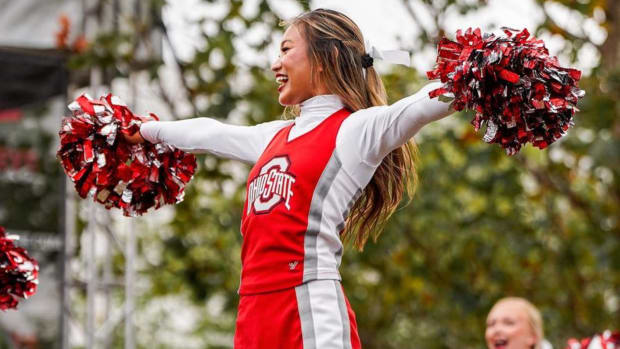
364	138
297	196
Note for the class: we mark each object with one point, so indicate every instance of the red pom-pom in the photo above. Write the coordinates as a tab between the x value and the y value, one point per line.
18	273
513	85
133	177
605	340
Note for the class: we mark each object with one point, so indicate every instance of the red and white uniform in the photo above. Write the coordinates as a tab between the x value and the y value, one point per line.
307	174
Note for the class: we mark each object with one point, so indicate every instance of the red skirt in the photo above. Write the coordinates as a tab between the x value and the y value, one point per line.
313	315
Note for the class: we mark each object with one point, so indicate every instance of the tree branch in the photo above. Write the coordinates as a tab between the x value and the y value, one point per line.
610	49
416	20
548	181
180	66
554	26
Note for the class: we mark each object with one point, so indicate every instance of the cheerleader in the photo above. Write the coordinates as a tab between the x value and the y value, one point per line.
334	173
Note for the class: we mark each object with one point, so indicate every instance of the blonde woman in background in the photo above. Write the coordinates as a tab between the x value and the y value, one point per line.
515	323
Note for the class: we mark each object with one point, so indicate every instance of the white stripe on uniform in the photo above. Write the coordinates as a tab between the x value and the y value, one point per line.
323	314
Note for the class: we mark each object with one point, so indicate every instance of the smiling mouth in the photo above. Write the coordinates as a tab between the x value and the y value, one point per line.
500	343
281	80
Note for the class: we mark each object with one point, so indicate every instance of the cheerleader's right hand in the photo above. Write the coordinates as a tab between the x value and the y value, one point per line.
137	137
134	138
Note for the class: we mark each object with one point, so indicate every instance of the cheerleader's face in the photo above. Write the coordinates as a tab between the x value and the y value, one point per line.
508	327
292	70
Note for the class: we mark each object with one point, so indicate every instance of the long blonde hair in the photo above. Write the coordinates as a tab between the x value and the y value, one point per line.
336	44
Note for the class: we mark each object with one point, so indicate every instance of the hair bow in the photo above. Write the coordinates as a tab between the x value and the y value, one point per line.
389	56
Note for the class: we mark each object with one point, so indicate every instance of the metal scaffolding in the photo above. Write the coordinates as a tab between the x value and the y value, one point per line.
89	273
88	276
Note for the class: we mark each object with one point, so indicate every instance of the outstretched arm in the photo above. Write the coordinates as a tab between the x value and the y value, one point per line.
205	135
384	128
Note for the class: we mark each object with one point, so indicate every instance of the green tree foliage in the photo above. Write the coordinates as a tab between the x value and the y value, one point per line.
542	224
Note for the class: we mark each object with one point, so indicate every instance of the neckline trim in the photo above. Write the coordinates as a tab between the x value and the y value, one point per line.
322	122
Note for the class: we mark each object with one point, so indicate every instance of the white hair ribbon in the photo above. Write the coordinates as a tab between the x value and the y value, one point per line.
389	56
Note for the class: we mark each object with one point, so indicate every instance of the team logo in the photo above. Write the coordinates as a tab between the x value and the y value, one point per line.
271	186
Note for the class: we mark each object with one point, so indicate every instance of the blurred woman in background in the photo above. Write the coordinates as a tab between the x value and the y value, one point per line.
515	323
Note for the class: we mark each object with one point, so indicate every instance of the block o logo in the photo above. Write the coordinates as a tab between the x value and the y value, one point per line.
271	186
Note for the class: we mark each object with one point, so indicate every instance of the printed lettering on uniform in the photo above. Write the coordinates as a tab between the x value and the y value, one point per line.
273	185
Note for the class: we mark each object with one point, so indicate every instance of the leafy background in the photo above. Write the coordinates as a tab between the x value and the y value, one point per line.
541	225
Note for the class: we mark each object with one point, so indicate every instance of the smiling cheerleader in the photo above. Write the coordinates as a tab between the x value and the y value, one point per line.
335	173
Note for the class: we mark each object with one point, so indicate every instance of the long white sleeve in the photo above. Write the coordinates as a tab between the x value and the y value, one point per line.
365	137
374	132
205	135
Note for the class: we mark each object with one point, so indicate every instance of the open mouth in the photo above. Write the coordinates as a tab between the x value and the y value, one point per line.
500	343
281	80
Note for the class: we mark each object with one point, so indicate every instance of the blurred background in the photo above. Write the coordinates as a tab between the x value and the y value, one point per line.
542	224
